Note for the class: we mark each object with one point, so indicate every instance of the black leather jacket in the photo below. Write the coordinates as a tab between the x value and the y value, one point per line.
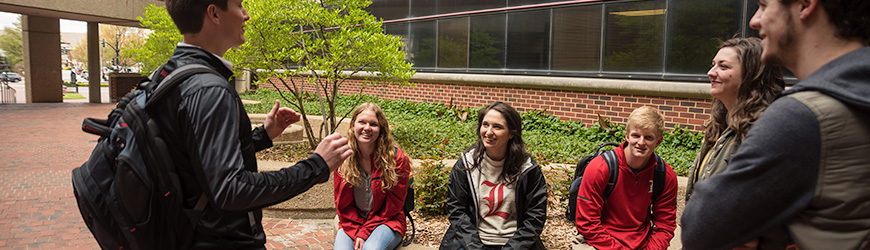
209	136
531	202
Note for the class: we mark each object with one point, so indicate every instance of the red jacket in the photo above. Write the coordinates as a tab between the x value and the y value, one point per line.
624	222
386	206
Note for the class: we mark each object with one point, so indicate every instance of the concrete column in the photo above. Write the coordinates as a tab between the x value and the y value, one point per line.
41	49
95	70
243	82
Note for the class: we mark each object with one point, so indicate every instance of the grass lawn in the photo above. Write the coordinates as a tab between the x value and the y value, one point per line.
73	96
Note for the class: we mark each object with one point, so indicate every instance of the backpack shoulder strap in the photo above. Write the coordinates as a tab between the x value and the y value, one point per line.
658	178
175	78
613	170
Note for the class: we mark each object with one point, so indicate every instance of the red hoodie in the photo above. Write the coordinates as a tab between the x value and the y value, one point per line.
624	222
386	206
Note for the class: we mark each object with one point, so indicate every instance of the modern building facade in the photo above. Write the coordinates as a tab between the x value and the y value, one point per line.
648	39
577	59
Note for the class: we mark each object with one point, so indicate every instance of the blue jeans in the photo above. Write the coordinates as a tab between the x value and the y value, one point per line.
382	238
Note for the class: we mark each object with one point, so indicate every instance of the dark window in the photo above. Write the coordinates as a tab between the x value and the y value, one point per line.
423	7
453	43
695	30
634	36
401	30
528	40
751	8
528	2
422	47
487	41
451	6
389	9
577	38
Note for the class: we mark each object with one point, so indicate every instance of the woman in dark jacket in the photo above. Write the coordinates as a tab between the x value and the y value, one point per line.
742	87
370	187
497	195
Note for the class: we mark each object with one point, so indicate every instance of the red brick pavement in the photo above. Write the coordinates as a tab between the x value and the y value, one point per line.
40	144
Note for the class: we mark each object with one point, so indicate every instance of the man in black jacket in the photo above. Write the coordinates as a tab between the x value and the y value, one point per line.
210	138
800	178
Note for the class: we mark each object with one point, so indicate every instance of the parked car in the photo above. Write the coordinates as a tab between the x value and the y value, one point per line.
10	76
84	74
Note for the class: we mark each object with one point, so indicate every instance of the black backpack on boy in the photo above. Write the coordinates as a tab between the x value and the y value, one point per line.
613	176
128	191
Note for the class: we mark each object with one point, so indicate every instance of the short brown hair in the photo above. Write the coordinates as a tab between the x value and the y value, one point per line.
187	14
849	16
646	117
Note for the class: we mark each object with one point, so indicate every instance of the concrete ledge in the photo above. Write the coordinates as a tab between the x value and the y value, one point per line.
315	121
603	85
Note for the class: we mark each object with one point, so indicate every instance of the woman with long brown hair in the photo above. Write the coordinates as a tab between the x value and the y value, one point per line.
742	87
370	187
497	195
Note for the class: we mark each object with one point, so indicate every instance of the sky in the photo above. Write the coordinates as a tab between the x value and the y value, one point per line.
7	19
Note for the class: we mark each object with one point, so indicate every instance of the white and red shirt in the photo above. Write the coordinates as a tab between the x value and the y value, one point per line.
496	202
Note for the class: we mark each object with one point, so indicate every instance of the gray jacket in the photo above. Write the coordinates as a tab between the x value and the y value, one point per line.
801	173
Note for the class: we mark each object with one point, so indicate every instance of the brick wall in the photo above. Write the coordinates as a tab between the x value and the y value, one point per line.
567	105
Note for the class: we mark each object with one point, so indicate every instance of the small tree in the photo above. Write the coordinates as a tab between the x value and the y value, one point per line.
157	48
11	44
319	45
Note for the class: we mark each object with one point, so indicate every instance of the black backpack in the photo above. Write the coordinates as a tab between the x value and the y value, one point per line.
613	170
128	191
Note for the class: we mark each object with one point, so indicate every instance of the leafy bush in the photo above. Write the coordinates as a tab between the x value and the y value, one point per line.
432	131
430	185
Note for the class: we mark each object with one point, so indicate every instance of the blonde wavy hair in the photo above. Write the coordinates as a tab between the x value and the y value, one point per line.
385	151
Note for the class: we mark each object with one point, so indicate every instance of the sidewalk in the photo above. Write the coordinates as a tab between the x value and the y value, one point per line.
41	143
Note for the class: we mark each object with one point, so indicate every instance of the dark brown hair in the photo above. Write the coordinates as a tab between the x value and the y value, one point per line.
516	154
187	14
759	85
849	16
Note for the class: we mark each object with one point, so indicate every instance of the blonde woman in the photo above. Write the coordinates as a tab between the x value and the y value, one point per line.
370	187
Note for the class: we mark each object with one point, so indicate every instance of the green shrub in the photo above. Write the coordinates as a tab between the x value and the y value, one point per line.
433	130
430	185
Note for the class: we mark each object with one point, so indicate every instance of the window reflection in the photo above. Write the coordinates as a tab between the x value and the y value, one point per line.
422	47
634	36
577	38
453	43
401	30
389	9
528	40
695	29
487	41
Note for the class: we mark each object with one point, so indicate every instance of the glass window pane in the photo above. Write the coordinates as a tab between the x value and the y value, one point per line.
451	6
528	40
453	43
422	47
423	7
751	8
487	42
634	36
528	2
389	9
695	30
400	30
577	38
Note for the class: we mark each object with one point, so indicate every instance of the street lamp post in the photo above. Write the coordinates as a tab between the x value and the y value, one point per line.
117	50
